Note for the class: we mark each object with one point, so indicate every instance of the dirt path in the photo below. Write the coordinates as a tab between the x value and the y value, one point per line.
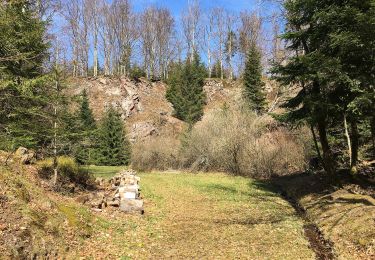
207	216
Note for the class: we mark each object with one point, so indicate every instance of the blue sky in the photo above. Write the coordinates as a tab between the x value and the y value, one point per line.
177	6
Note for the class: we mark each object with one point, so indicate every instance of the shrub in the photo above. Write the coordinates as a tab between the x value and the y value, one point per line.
68	170
136	73
233	141
160	153
241	143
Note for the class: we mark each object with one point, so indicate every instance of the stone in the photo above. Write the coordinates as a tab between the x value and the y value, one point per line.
25	156
96	203
114	203
99	181
103	81
129	188
132	206
130	195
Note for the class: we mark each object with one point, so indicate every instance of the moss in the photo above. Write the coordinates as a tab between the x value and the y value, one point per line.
38	218
21	192
78	218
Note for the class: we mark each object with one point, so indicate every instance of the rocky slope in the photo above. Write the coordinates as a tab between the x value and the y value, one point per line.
143	105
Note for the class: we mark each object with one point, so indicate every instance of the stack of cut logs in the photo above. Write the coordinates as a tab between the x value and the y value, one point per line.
124	193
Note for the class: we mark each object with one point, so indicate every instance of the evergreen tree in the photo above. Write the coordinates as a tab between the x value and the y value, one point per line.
25	92
86	147
86	114
252	80
114	147
216	70
186	90
334	65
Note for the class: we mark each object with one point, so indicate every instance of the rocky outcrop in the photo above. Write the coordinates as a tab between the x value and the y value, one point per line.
142	104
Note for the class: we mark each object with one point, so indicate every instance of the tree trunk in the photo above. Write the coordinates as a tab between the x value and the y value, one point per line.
355	146
348	140
373	134
230	57
95	55
55	148
328	161
209	60
316	143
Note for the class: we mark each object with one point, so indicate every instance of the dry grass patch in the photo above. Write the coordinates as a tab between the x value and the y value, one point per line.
345	213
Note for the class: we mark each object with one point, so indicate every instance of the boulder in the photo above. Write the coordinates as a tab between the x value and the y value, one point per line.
25	155
132	206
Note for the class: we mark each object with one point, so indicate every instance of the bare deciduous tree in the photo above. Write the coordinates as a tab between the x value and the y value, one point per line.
93	15
125	32
231	43
208	38
190	21
220	33
249	33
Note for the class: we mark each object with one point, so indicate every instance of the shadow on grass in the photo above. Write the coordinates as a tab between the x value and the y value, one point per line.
302	184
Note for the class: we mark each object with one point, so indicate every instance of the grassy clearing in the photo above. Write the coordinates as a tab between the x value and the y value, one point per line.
104	171
203	216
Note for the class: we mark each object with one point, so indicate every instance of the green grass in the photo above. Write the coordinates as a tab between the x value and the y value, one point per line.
202	216
187	216
104	171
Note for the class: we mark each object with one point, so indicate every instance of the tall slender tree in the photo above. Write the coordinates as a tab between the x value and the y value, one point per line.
252	81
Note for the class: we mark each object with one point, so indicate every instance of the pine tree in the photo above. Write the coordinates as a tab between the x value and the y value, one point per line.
114	147
334	65
85	148
86	114
252	80
25	92
216	70
186	90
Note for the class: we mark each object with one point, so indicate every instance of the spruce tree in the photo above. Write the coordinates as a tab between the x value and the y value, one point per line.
86	114
86	147
114	147
252	80
25	91
186	90
334	68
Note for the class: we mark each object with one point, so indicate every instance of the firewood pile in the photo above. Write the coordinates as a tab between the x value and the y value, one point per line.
122	191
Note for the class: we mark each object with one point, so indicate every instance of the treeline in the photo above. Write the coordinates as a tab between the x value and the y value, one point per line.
35	112
333	69
124	41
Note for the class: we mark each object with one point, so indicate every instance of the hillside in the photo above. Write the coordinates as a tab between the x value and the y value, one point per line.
143	104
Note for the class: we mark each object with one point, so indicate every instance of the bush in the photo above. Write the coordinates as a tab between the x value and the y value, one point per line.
136	73
233	141
68	171
241	143
160	153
